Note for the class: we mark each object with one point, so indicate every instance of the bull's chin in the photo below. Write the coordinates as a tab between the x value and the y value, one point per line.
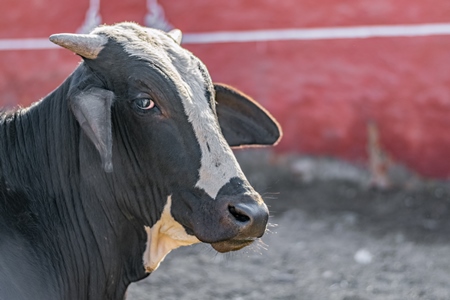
231	245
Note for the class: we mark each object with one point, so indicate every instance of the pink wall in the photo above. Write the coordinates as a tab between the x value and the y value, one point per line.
324	92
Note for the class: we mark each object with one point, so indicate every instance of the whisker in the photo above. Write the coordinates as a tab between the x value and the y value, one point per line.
261	245
271	193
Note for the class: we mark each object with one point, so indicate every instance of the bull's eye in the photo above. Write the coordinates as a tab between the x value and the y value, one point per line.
144	103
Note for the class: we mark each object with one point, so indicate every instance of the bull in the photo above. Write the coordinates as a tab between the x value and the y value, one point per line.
128	159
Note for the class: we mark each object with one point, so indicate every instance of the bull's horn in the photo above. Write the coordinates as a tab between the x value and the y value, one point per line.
176	35
86	45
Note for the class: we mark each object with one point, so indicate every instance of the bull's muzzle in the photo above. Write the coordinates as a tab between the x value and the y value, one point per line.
248	216
235	218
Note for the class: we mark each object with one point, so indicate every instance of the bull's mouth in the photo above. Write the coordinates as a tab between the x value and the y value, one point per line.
231	245
229	222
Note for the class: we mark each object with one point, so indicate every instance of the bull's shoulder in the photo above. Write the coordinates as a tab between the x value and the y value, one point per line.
15	209
19	277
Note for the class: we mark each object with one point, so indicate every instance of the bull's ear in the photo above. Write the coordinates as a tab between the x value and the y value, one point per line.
243	121
92	109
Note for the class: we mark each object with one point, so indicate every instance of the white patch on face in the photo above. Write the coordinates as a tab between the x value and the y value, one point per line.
163	237
218	164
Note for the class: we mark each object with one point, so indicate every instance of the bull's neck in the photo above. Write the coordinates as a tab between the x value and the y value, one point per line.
38	152
39	159
36	141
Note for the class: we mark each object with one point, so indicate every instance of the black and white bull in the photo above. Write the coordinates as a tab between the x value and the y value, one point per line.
128	159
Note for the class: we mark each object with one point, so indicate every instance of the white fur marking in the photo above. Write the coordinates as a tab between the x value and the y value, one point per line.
218	164
163	237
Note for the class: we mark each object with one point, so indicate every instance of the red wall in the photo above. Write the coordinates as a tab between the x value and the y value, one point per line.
324	92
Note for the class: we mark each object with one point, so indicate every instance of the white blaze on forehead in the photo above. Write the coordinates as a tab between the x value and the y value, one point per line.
218	164
163	237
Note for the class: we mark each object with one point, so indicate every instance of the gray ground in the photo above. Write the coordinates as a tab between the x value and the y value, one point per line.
334	238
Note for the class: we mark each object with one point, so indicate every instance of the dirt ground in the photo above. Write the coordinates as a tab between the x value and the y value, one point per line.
331	236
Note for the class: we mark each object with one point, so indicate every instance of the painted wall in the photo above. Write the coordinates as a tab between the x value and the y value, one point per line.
324	91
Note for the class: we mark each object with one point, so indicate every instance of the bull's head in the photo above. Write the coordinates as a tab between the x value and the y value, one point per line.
163	132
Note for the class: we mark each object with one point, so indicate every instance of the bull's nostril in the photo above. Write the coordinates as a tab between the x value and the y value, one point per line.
238	215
